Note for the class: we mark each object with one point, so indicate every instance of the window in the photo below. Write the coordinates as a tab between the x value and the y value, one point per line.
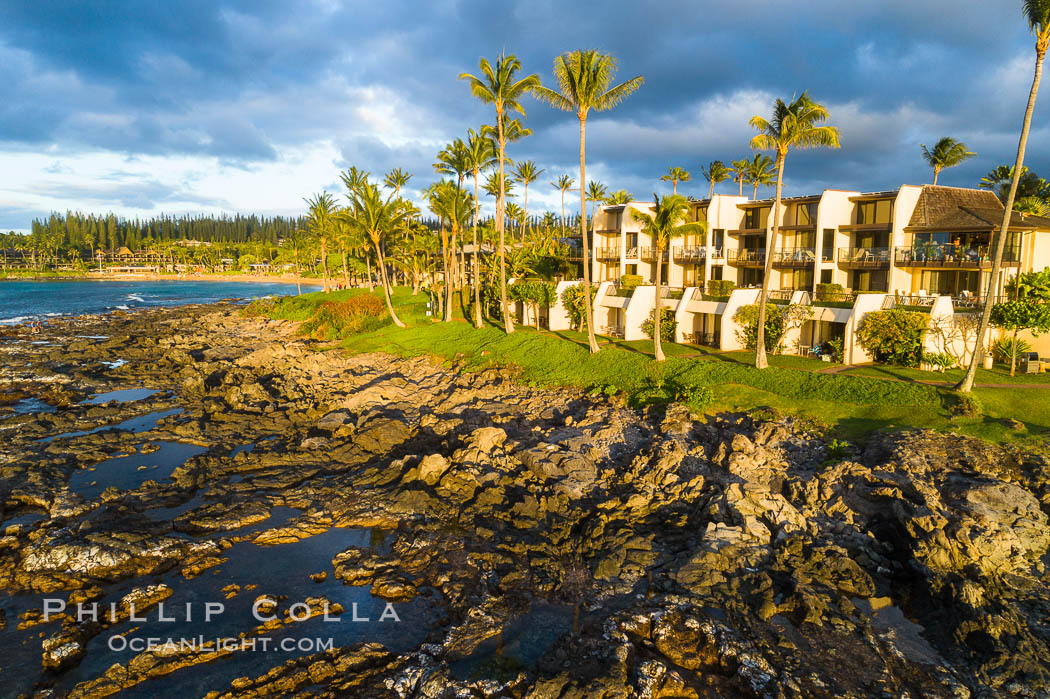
756	217
825	276
879	211
716	272
805	214
701	213
827	250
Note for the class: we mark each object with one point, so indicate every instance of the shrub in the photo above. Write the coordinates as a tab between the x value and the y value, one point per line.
668	324
696	396
628	282
838	450
966	405
894	336
572	299
836	349
941	361
1003	349
720	287
779	319
828	290
334	319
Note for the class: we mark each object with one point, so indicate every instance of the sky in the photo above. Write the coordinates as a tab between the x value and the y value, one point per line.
212	106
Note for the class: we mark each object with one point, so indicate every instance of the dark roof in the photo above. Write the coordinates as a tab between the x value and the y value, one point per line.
953	208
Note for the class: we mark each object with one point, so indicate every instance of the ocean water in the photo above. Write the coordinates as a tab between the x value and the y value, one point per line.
23	301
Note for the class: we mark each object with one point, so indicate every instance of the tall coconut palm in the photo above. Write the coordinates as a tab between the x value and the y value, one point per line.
620	196
760	171
597	193
739	170
396	179
353	179
563	183
322	227
380	220
668	220
794	125
674	176
297	242
480	155
452	160
1037	14
455	206
714	173
500	87
585	82
946	153
526	173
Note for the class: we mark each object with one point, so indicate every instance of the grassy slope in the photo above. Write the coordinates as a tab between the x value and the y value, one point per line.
851	404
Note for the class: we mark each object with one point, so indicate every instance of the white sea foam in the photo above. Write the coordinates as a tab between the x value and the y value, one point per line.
14	321
123	307
136	297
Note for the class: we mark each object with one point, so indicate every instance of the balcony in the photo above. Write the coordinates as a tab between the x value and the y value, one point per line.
690	253
632	253
746	258
648	254
703	339
607	254
953	256
781	297
864	258
834	299
794	257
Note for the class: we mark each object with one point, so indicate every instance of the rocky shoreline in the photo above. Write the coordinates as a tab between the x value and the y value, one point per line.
533	543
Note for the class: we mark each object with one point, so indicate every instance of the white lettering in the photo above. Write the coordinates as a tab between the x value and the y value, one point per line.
389	612
299	605
213	609
53	606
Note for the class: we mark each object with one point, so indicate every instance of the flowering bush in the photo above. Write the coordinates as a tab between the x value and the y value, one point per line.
894	336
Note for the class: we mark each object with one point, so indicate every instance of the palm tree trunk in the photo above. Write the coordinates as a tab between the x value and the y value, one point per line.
386	289
449	287
711	191
741	183
936	171
760	332
966	385
592	342
324	263
658	349
754	193
508	323
346	275
368	266
563	208
298	277
1013	355
477	272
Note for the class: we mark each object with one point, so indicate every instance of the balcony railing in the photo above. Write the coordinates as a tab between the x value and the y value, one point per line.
649	254
951	256
835	299
606	254
864	258
667	292
716	253
616	290
613	331
632	253
794	257
746	258
923	300
779	296
690	253
704	339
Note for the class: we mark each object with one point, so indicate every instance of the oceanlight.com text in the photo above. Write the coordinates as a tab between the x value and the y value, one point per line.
201	644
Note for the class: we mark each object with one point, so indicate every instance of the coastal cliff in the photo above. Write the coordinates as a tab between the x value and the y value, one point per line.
534	543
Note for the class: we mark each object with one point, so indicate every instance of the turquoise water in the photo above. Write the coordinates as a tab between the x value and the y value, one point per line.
23	301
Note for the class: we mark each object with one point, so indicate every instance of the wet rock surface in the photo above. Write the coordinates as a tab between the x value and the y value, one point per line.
531	543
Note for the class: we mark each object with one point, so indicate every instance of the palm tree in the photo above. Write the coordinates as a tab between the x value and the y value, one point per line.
479	155
297	242
584	81
322	209
453	161
1032	205
454	205
947	153
353	179
1037	14
501	88
527	173
714	173
396	179
674	176
739	170
380	220
668	220
793	125
760	170
620	196
563	183
1000	179
597	193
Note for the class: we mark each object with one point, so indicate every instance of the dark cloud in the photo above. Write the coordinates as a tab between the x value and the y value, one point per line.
241	80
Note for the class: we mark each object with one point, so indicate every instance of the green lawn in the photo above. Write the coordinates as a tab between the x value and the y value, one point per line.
998	374
851	404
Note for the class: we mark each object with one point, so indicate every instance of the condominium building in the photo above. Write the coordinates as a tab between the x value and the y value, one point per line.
919	245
